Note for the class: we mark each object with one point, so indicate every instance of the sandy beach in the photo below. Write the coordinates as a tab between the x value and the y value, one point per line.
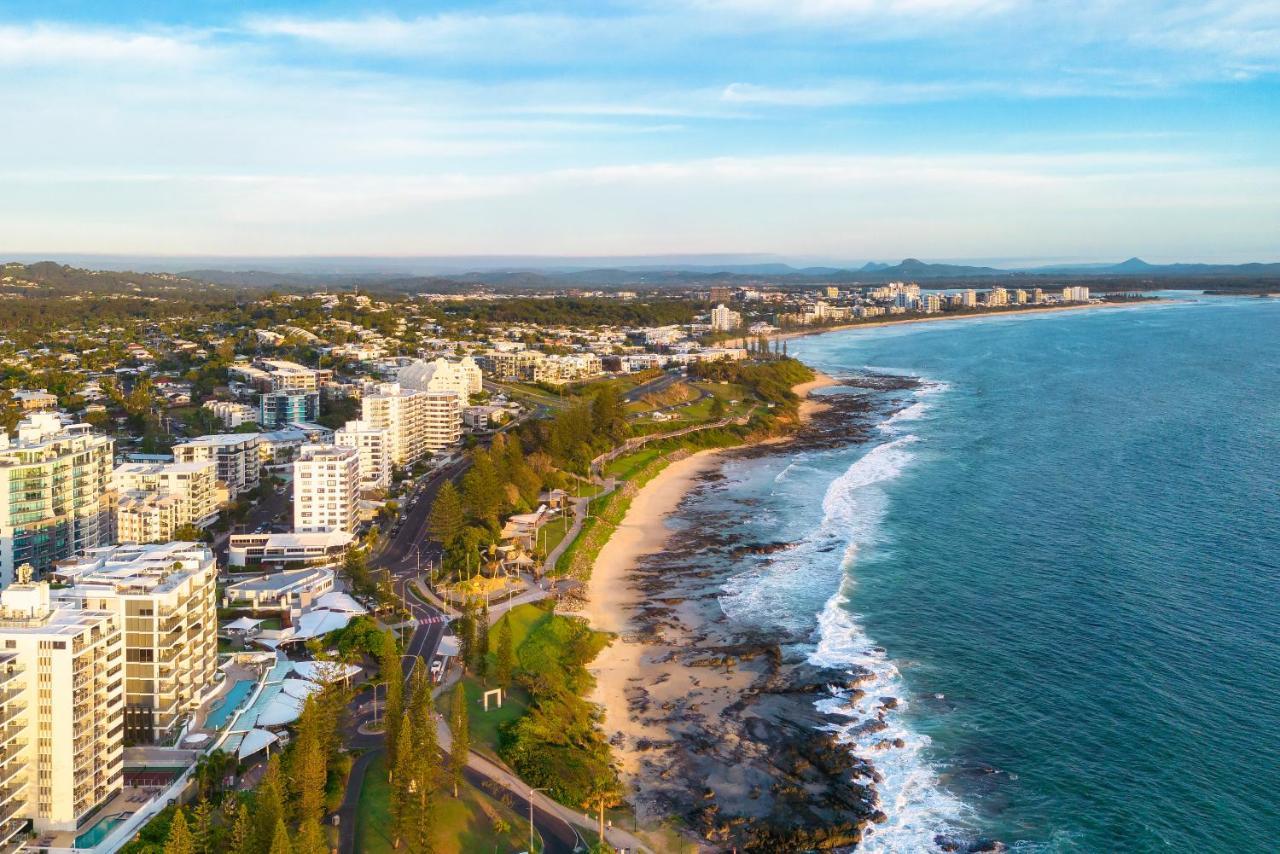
614	597
938	318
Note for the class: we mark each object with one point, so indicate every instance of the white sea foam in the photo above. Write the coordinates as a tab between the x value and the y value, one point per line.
853	511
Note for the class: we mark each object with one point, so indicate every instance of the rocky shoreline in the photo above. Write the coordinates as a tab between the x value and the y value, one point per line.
721	725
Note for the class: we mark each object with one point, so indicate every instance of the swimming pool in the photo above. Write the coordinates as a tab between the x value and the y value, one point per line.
93	837
218	717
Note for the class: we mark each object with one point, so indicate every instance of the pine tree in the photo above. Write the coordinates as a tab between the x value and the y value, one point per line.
179	840
310	761
202	830
268	806
402	786
389	669
504	659
481	493
426	766
466	630
446	519
280	840
460	731
482	642
241	840
311	838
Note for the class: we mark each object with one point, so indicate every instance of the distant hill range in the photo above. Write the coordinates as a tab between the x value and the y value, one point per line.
465	275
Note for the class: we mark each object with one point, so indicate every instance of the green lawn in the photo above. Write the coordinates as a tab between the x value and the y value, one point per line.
485	725
627	465
469	823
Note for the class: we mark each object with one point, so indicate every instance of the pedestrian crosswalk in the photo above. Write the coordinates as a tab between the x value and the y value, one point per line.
435	618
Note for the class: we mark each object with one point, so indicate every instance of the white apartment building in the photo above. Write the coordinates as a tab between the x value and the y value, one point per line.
55	493
997	297
234	454
969	298
231	413
402	414
155	499
564	369
930	303
326	548
64	705
724	319
462	377
165	597
441	420
326	489
374	446
1075	294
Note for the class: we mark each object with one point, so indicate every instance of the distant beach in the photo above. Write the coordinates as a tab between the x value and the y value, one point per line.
934	318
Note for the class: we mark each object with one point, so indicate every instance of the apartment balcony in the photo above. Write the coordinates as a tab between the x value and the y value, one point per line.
10	713
9	772
10	806
12	836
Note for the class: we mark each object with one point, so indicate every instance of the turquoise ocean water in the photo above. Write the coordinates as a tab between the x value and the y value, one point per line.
1063	555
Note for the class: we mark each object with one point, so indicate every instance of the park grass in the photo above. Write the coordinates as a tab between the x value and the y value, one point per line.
463	825
626	466
486	726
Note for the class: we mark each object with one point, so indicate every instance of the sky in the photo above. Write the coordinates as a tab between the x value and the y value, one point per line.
823	130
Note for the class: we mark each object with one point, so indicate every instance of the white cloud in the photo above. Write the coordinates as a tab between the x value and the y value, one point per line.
53	44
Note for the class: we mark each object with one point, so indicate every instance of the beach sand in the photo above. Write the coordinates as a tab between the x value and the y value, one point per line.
613	599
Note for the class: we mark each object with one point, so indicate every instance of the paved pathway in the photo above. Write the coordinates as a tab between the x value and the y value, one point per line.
581	508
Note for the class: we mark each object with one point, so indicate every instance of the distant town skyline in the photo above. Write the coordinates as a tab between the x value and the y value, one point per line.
806	129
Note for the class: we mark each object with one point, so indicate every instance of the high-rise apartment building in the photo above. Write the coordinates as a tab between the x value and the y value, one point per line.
64	705
997	297
234	454
278	408
400	412
164	596
374	447
441	420
724	319
326	489
153	500
55	493
1075	294
462	377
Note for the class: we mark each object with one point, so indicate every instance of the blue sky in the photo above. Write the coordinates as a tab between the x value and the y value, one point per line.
814	129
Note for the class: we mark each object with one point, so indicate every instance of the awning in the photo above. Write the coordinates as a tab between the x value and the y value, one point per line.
448	645
255	740
324	671
244	624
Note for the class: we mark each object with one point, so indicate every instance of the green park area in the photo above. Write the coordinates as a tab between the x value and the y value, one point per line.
472	822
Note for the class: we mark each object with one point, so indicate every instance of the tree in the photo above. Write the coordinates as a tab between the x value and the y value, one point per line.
446	519
311	838
482	642
179	841
309	770
203	831
356	566
504	659
426	765
717	407
268	806
460	731
389	669
481	491
280	839
237	816
403	788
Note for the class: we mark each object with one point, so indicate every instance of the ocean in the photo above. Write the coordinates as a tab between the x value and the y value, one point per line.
1060	554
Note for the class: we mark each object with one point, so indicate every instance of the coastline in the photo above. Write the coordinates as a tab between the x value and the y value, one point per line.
640	667
934	318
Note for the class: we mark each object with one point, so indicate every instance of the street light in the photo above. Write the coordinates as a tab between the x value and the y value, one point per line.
531	791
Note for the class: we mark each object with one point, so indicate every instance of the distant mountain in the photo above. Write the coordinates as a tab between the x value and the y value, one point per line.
1138	267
